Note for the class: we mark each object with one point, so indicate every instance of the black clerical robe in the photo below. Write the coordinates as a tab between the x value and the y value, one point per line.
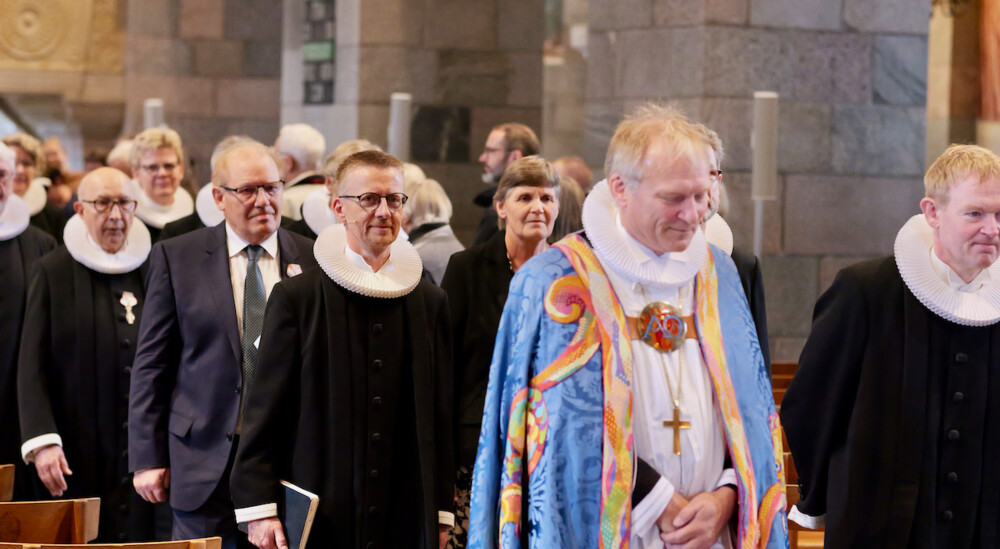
352	401
893	419
17	259
73	380
51	220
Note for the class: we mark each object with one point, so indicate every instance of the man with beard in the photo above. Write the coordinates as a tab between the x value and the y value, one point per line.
353	395
198	344
505	144
21	246
892	416
76	356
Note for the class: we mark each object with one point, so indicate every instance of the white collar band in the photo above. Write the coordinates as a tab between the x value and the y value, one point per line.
36	197
398	277
600	216
912	252
86	252
156	215
718	232
204	204
316	210
14	219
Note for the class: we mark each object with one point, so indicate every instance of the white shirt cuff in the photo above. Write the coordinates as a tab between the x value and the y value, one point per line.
651	507
257	512
446	518
29	448
728	476
806	521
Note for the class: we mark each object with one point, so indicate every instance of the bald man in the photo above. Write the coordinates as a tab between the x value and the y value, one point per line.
80	331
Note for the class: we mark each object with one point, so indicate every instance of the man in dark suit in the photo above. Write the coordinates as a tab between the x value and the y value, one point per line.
353	399
198	343
21	245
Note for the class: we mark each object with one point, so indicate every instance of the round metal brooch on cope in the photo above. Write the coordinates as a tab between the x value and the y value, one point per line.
663	327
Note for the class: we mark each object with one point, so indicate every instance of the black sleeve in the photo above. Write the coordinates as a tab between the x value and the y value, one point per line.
444	412
645	479
817	407
33	366
759	311
264	451
454	284
154	371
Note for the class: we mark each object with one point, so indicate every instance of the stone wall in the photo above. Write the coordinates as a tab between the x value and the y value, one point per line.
852	76
215	63
469	64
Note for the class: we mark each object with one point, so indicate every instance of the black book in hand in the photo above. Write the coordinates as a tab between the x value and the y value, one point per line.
300	510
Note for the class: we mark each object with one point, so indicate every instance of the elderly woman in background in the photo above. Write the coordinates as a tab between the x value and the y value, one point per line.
31	186
476	280
425	218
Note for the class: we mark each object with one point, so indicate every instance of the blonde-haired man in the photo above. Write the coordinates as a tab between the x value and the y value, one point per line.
627	402
892	415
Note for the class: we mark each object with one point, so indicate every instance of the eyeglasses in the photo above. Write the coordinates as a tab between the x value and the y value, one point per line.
155	168
491	150
370	201
104	205
248	193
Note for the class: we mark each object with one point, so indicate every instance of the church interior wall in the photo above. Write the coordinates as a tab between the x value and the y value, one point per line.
857	81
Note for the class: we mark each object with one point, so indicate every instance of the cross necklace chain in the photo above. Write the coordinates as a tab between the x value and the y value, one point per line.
675	423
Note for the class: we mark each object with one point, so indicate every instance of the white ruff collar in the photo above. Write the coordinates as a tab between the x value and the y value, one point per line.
204	204
86	252
398	277
718	232
14	218
316	210
600	219
912	251
36	196
156	215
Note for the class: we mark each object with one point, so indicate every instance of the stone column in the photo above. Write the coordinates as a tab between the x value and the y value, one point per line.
852	80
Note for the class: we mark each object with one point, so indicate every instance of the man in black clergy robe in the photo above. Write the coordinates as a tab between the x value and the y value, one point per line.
76	356
893	418
21	245
205	296
353	398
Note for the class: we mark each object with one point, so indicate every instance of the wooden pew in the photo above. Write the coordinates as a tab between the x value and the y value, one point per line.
62	521
6	482
203	543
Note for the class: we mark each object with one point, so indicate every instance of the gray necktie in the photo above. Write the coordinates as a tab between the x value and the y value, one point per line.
253	317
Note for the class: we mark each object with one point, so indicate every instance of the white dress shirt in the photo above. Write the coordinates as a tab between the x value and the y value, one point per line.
269	264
